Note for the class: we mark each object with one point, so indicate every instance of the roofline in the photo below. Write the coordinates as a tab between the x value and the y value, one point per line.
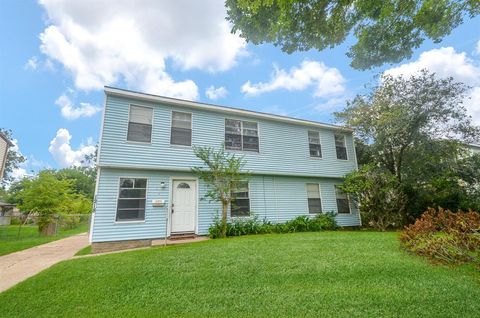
10	144
224	109
473	145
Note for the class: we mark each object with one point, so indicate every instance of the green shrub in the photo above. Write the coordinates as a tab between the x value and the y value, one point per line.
252	225
445	237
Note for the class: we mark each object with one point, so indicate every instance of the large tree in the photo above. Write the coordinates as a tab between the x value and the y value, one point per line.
14	159
414	128
387	31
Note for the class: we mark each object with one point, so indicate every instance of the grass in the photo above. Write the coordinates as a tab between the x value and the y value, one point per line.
84	251
29	237
325	274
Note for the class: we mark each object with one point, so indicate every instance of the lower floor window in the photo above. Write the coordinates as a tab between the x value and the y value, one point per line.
131	199
240	200
343	204
314	201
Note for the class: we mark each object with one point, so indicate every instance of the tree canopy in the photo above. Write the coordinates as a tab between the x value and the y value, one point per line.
414	129
387	31
14	159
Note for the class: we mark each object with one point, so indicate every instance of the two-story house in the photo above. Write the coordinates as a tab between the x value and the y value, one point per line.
145	189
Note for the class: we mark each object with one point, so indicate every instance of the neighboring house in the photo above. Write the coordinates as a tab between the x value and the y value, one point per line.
474	148
145	189
4	145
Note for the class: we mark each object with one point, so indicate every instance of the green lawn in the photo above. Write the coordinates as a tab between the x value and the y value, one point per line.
331	274
29	237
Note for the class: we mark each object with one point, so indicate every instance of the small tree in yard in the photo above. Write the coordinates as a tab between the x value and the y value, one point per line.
222	173
379	195
46	196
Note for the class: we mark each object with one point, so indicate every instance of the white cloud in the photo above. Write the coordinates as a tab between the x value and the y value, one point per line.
477	48
216	93
131	42
21	171
331	105
71	112
32	63
447	62
327	81
63	153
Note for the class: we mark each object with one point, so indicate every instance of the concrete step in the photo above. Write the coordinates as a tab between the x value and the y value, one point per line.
182	236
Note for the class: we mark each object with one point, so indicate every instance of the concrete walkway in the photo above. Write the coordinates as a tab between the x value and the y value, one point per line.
18	266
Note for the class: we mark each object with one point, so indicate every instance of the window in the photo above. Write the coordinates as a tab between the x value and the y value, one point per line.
131	199
240	200
341	147
183	185
314	201
181	133
140	124
241	135
314	144
343	205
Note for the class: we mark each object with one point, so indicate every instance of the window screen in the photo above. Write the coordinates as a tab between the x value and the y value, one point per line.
240	200
314	201
314	144
343	204
181	133
131	199
140	124
241	135
341	147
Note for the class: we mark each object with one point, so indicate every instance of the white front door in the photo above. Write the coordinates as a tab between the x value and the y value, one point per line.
184	204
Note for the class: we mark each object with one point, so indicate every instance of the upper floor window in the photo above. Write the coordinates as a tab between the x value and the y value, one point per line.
181	133
140	124
314	201
240	200
341	147
314	144
343	204
241	135
131	199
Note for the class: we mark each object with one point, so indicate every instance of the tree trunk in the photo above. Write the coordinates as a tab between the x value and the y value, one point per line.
224	218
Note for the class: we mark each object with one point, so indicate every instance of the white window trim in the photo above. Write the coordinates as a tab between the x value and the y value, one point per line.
321	145
241	150
128	122
118	197
321	198
348	199
335	145
170	132
249	206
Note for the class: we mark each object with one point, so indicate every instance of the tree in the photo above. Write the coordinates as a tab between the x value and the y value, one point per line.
386	31
83	180
378	194
14	159
221	172
414	127
47	196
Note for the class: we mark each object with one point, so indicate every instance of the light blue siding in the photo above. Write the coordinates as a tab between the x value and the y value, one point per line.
275	198
279	172
283	146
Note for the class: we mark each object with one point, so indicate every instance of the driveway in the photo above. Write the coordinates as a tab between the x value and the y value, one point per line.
18	266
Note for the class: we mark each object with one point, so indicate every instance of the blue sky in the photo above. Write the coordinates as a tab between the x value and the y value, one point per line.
57	55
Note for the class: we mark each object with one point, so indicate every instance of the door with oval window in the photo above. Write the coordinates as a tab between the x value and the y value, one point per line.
184	204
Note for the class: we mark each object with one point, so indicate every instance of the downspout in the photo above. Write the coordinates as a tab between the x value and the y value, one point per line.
275	196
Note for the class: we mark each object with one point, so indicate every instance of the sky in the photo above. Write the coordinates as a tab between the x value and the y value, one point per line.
56	56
